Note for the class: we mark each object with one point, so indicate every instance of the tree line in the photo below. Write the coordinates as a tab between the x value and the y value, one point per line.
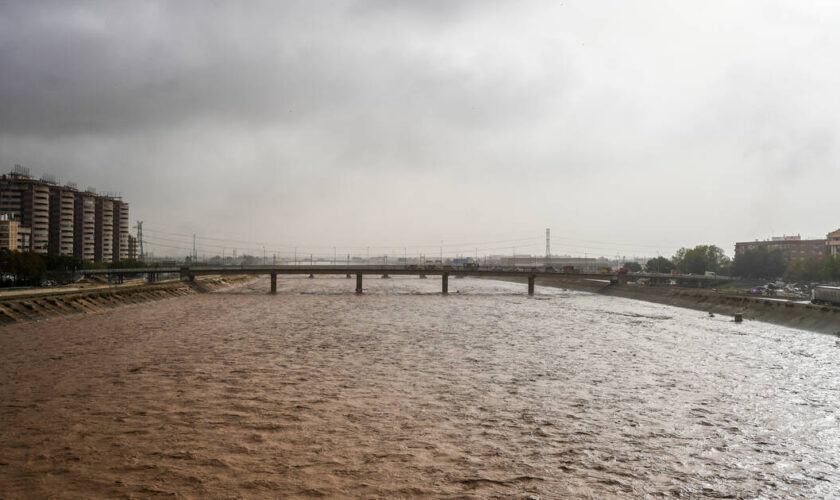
32	269
758	263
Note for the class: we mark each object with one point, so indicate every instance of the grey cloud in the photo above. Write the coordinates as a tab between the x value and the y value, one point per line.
589	116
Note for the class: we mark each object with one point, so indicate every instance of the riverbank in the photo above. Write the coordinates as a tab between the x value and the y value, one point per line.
805	316
42	304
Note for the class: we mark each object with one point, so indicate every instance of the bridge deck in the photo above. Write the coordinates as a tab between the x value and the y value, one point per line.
392	269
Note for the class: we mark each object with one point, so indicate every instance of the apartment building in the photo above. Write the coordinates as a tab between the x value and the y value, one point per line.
121	224
8	232
48	217
794	247
28	201
833	241
103	230
84	225
62	211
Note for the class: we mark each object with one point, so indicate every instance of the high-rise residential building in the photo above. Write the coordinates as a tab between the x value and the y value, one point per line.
62	211
84	219
48	217
103	230
120	240
132	247
24	238
28	201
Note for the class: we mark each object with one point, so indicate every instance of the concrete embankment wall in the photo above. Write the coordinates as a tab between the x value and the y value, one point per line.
816	318
39	307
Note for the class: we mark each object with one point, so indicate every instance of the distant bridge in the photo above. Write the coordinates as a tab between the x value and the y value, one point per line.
532	273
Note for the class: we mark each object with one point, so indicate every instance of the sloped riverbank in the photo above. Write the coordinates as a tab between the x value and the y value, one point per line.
43	306
806	316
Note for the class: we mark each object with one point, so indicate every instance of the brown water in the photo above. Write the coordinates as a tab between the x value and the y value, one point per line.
402	392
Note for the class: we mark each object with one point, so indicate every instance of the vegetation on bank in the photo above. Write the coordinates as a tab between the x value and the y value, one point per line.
757	264
33	269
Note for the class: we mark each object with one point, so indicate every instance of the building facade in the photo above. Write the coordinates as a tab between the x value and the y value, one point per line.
84	224
833	242
794	247
47	217
62	210
28	201
8	232
132	247
120	238
103	230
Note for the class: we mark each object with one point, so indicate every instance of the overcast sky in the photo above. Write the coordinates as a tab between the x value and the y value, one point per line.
626	127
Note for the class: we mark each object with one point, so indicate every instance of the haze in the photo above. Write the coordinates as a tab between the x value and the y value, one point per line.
626	127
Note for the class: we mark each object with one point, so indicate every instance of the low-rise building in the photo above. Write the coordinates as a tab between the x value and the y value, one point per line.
794	247
833	241
8	232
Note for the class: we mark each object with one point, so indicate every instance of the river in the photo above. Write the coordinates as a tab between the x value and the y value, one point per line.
402	392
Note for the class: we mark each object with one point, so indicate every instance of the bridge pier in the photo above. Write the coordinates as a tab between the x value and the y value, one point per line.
531	280
385	276
348	276
273	282
422	276
311	276
359	283
444	283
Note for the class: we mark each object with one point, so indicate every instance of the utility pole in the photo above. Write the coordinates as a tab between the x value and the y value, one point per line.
194	255
547	245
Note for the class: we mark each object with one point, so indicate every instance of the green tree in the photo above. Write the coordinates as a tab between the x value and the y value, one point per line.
760	263
659	265
831	268
810	269
633	267
25	268
702	258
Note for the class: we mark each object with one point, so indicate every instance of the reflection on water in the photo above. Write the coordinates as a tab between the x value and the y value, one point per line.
403	392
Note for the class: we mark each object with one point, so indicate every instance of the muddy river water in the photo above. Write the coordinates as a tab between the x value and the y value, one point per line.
401	392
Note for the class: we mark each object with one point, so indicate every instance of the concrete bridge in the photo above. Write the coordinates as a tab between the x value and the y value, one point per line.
615	278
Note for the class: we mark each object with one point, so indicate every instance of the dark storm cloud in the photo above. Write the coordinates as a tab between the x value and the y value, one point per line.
101	68
432	118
